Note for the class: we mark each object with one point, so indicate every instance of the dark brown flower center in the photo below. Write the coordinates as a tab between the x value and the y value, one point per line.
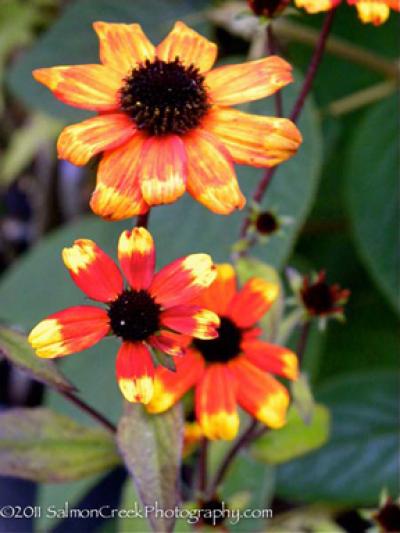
165	97
318	298
225	347
134	315
267	223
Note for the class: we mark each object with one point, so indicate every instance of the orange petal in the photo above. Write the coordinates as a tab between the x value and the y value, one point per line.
211	176
252	302
135	372
189	46
216	403
260	394
375	12
123	46
235	84
169	387
117	195
80	142
183	279
254	140
69	331
163	169
220	293
271	358
136	255
169	342
93	271
191	320
92	87
317	6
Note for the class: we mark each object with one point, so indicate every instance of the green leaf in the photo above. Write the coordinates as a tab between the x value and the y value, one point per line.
72	40
295	439
41	445
303	398
372	195
15	348
131	501
361	456
151	446
248	267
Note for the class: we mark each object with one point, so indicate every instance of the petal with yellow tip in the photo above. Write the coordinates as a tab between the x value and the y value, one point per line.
123	46
169	342
183	279
374	12
271	358
69	331
317	6
215	403
136	255
93	271
220	293
135	372
252	301
191	320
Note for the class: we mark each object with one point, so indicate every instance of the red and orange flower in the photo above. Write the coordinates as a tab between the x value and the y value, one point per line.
165	122
369	11
154	311
235	368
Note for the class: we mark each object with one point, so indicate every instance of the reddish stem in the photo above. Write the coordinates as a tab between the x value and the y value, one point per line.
143	220
83	406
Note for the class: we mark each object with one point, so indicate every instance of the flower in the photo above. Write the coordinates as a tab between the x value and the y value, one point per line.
267	8
321	299
165	122
235	368
369	11
154	311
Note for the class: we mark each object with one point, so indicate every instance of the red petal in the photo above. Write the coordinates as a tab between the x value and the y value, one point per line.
136	255
135	372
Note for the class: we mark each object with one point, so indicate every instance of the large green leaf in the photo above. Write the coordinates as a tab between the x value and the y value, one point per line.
72	40
296	438
15	348
361	456
372	195
42	445
151	446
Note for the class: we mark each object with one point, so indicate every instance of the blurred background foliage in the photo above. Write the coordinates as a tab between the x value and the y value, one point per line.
341	191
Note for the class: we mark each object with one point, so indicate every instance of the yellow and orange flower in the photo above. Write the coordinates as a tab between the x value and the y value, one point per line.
369	11
155	311
235	368
165	122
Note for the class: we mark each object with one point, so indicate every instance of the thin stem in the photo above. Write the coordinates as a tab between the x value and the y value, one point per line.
294	115
143	220
203	463
83	406
303	339
313	66
242	441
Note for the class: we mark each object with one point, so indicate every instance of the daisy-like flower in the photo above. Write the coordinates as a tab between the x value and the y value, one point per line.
369	11
165	122
236	367
153	312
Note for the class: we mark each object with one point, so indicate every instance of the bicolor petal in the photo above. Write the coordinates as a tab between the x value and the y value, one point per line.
374	12
137	257
191	320
183	280
93	271
271	358
123	46
211	177
93	87
169	387
215	403
135	372
163	169
236	84
260	394
252	301
317	6
80	142
118	195
252	139
189	46
220	293
169	342
69	331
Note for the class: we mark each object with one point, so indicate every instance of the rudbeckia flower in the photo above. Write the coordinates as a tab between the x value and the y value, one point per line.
236	367
369	11
165	122
153	311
